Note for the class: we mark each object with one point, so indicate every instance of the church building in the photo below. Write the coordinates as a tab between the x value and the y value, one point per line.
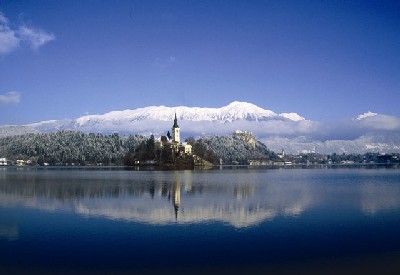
176	136
176	145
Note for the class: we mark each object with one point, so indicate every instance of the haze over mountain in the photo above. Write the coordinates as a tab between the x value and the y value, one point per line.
289	131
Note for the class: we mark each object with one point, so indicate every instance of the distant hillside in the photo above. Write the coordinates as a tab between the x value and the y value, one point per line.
236	148
12	130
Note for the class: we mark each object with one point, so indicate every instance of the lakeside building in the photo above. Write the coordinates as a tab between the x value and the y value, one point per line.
21	162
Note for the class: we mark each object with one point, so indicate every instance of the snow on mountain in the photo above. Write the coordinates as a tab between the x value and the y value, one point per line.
363	144
292	116
232	112
12	130
367	132
365	115
51	125
378	122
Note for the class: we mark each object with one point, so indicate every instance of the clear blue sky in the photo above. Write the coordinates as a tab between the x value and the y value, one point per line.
326	60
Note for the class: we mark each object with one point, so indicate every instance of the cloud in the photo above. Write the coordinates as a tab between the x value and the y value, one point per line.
10	98
8	39
369	132
351	129
34	37
11	39
381	122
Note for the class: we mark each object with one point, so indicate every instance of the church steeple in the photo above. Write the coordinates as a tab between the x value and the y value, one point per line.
175	131
175	122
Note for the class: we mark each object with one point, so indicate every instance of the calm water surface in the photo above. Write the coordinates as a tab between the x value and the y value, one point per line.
290	221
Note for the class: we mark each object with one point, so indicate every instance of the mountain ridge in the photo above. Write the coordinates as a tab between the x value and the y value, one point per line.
366	132
236	110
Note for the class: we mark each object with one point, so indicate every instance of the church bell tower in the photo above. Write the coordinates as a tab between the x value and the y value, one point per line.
176	136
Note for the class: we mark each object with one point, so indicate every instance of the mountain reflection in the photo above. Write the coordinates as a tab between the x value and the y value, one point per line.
241	199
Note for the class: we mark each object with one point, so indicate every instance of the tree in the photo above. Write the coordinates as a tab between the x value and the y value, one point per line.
129	159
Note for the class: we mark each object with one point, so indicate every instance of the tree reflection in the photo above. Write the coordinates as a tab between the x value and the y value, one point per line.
240	199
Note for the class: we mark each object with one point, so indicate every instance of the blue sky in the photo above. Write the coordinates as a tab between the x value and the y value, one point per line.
325	60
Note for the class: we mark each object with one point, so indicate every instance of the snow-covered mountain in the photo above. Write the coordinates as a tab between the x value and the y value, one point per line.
365	132
366	115
232	112
193	120
384	143
12	130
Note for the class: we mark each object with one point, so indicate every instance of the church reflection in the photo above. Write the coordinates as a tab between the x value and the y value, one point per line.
176	189
178	196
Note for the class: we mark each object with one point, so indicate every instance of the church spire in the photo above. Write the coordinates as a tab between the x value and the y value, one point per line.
175	131
175	122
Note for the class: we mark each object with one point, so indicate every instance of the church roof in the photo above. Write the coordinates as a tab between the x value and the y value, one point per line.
175	122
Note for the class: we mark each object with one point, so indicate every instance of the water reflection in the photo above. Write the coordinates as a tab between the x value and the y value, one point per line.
379	197
239	198
8	232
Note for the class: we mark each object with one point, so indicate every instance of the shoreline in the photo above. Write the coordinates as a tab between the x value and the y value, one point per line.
198	167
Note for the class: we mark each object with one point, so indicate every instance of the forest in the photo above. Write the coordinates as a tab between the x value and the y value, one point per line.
77	148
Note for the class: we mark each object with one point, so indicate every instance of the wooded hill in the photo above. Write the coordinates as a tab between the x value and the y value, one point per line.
70	147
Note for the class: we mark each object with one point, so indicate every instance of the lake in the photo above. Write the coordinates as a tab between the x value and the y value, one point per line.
231	220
